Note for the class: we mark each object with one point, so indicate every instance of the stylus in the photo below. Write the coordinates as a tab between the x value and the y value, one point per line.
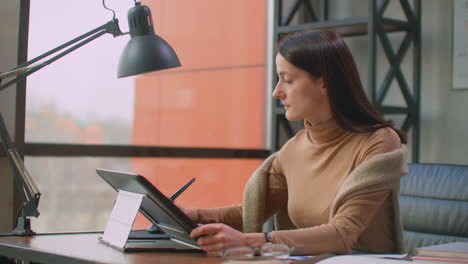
154	228
181	190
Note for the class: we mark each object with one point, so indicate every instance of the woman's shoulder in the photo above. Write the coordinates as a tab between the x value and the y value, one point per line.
382	140
387	135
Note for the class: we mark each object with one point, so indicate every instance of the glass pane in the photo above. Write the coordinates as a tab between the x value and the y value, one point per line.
75	199
78	98
216	99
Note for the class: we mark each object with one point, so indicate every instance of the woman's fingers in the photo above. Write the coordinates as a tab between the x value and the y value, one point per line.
204	230
214	249
214	238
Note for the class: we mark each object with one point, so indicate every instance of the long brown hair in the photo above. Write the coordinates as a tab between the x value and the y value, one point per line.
324	54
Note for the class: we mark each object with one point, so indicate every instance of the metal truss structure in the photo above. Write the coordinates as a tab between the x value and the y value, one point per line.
296	15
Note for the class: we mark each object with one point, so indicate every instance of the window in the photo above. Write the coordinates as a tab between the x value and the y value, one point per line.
215	100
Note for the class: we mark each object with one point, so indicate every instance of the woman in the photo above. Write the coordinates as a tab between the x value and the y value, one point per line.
338	177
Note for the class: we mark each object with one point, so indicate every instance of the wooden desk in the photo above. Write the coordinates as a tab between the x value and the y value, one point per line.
85	248
82	248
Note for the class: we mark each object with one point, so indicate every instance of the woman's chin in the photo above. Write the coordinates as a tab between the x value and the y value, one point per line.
291	117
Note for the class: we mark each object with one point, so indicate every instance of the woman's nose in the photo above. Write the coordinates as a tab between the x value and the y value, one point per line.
276	92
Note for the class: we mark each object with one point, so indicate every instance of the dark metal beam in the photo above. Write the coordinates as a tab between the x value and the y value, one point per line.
417	80
388	50
409	13
394	109
357	26
310	10
382	92
392	25
407	124
372	49
67	150
290	14
383	6
325	10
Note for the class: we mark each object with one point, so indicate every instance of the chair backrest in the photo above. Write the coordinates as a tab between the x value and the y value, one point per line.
434	204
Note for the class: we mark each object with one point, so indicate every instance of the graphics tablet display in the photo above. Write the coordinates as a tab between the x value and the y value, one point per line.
155	206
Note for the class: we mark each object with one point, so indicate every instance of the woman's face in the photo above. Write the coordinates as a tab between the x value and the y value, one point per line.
303	96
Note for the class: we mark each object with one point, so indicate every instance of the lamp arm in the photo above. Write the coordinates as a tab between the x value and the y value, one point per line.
23	70
27	188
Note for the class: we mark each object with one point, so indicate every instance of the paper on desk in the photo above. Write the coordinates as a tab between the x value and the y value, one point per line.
122	217
363	259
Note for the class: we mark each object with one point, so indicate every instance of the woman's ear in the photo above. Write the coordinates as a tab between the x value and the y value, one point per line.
324	90
323	87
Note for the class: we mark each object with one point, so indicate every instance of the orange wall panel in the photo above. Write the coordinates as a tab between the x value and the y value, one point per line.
218	108
212	33
219	182
216	99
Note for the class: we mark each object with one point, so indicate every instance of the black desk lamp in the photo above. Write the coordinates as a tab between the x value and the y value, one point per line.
145	52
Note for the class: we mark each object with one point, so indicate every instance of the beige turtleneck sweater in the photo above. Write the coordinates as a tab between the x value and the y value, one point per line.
306	176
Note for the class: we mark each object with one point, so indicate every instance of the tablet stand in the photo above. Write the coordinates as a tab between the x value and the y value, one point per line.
122	218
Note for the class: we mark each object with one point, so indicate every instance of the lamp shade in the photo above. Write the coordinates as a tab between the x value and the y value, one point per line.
145	52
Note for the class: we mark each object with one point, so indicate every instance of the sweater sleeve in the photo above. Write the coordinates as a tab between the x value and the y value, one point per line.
276	195
229	215
277	190
342	232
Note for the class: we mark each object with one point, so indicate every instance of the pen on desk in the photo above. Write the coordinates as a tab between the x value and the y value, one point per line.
405	258
181	190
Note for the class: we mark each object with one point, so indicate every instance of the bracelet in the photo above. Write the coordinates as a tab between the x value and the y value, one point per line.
267	237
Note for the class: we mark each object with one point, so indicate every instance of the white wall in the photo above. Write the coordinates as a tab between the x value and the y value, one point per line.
444	121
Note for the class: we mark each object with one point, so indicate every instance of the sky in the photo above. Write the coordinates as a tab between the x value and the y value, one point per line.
83	83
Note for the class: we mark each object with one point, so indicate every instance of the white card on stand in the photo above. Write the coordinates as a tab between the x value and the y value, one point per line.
122	217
